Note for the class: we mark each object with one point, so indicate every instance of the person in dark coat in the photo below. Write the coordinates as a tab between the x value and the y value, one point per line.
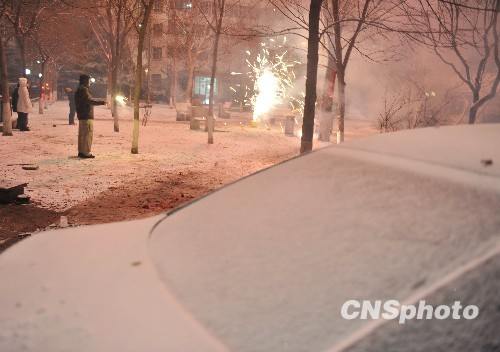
72	105
84	103
14	100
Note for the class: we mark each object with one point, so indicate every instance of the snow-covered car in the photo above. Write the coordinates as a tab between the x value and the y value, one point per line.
267	263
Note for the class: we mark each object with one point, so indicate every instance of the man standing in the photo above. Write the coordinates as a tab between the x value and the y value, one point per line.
85	113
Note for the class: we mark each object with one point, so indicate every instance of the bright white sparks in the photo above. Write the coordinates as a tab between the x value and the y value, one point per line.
268	86
121	99
273	77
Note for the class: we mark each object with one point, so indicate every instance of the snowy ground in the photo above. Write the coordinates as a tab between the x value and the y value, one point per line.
174	165
63	181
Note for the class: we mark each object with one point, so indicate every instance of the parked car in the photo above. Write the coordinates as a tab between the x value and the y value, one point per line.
267	263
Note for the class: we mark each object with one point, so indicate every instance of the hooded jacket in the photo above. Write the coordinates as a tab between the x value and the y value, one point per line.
23	101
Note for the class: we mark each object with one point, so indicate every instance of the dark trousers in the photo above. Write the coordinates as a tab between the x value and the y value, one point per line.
22	121
71	116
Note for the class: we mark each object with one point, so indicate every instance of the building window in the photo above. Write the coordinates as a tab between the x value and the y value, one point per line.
181	4
158	5
157	53
202	88
156	81
157	29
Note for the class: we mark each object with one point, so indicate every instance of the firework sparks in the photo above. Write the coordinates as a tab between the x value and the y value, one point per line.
267	86
273	78
272	72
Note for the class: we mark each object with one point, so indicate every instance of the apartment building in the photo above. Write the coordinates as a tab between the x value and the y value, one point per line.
180	46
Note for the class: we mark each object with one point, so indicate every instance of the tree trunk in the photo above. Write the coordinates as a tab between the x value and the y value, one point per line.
56	84
327	110
474	108
109	89
115	62
7	122
312	77
189	88
138	76
210	120
173	73
148	75
473	115
22	54
173	80
341	106
41	101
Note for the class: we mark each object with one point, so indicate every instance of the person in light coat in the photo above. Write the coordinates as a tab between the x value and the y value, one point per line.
23	104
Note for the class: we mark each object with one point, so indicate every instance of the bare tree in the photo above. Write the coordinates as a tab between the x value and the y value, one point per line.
312	76
193	40
111	23
6	111
24	16
413	103
344	27
215	23
55	43
465	36
349	24
389	120
305	21
143	10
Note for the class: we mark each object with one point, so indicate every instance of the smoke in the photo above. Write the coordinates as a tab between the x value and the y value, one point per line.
369	83
398	68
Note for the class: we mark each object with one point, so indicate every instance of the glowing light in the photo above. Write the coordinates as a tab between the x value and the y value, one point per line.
92	80
120	99
40	75
27	71
273	78
267	93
